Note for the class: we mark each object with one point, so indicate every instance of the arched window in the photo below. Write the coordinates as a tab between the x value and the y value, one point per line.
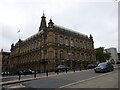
85	45
38	44
61	57
61	40
66	42
71	43
72	55
81	44
77	45
42	54
78	56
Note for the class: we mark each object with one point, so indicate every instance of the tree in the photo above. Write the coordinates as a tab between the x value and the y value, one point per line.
101	54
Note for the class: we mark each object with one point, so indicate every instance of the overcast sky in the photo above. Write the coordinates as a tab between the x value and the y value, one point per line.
97	18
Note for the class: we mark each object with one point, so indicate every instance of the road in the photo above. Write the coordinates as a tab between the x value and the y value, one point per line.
78	79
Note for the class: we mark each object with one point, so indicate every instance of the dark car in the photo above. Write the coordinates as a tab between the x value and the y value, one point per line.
61	68
20	72
25	72
104	67
118	62
90	66
6	73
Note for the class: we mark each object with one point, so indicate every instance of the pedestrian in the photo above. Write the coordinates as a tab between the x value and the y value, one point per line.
35	74
19	76
57	71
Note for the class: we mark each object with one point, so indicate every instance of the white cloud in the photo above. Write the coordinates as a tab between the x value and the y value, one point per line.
99	19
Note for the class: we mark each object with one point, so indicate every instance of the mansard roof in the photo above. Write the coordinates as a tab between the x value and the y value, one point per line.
30	38
59	29
55	28
69	32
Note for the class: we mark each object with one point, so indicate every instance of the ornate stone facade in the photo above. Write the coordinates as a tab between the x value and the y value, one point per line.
52	45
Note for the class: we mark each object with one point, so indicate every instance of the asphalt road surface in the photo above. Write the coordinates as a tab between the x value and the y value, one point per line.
78	79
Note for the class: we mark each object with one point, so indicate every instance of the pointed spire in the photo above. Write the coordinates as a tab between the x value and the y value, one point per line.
43	22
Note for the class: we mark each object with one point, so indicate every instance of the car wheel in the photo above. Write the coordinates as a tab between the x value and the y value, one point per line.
112	69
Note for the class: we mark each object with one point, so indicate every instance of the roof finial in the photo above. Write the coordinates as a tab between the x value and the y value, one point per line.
50	19
1	50
43	13
50	24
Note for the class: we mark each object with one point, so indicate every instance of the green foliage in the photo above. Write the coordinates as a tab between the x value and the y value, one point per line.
101	55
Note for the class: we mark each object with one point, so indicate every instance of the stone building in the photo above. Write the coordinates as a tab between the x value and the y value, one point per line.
4	61
113	52
52	45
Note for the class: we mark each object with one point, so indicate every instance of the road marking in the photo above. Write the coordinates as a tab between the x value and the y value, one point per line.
82	81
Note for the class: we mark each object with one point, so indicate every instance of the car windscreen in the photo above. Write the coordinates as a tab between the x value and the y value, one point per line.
101	64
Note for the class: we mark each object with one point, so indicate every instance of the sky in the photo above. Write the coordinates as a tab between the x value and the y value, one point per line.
96	17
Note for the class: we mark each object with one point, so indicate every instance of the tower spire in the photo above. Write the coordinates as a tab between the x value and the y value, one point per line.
43	22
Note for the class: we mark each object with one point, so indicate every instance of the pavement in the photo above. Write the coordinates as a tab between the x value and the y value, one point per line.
110	80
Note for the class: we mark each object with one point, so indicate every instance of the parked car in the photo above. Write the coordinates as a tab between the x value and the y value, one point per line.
104	67
25	72
90	66
61	68
118	62
6	73
20	72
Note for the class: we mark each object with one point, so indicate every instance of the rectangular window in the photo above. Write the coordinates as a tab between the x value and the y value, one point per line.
61	40
66	42
72	43
77	45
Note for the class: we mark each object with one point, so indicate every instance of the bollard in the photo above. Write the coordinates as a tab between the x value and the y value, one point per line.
19	76
66	70
46	72
80	68
35	74
57	72
74	69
